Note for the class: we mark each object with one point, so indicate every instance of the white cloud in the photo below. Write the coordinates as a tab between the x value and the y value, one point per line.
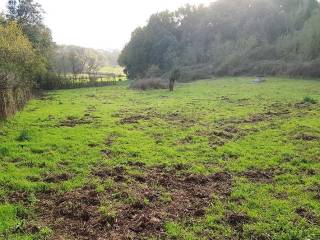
101	23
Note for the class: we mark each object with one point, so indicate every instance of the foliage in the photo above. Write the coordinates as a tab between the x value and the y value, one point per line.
17	56
231	37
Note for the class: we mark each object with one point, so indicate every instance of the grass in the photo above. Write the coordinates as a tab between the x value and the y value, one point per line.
266	136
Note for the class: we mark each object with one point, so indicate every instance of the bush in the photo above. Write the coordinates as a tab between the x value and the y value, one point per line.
149	83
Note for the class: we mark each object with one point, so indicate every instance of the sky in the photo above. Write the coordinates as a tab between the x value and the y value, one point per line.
101	24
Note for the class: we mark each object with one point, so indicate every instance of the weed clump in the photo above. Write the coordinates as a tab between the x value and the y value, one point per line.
24	136
308	99
4	151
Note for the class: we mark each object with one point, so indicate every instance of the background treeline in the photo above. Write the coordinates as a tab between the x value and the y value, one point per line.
74	66
30	60
228	37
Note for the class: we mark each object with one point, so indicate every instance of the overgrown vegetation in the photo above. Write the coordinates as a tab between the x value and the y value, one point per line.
229	37
222	159
149	83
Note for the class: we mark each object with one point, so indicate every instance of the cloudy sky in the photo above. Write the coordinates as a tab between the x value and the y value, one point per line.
105	24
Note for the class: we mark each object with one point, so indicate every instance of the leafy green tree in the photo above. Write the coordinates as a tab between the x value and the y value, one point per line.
17	56
226	37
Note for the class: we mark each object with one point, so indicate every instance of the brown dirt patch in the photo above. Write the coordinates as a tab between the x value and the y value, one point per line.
237	220
137	200
16	197
133	119
306	137
111	139
177	118
308	215
72	121
222	135
259	176
315	190
186	140
173	118
55	178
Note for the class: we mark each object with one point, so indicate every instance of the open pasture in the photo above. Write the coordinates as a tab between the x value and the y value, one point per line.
216	159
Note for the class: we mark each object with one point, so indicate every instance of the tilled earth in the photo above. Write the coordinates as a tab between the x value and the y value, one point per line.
137	201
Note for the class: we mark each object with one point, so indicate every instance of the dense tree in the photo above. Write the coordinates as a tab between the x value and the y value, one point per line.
227	37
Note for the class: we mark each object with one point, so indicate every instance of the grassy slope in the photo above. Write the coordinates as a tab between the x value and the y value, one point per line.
267	144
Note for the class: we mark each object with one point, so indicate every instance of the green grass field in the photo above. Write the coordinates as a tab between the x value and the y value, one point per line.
215	159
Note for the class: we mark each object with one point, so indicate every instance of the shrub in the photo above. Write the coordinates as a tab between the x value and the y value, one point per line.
308	99
149	83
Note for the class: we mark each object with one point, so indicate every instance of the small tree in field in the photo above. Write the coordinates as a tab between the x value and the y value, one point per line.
174	76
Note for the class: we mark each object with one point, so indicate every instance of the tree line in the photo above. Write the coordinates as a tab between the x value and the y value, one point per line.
228	37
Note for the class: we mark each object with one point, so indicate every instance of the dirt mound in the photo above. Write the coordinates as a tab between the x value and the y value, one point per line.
138	204
259	176
237	220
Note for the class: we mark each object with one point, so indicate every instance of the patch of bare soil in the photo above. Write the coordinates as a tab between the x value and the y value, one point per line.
275	110
177	118
156	196
55	178
267	116
230	129
315	190
186	140
72	121
173	118
308	215
223	134
237	220
260	176
111	139
16	197
306	137
133	119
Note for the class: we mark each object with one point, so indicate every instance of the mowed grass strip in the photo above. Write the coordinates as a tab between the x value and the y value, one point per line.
249	154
